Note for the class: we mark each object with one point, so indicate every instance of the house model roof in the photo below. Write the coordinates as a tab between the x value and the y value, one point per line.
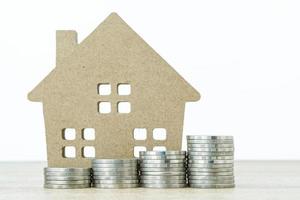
112	43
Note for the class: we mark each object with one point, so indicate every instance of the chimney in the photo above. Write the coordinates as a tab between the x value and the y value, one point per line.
66	42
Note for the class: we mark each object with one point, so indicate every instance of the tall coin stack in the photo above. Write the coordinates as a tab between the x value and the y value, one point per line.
210	161
115	173
67	178
163	169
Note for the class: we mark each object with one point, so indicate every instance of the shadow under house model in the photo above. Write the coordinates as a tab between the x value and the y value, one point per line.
106	91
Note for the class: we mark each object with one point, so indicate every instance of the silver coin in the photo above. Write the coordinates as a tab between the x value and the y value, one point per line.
115	173
168	157
176	157
211	161
153	166
210	141
211	153
161	185
104	165
162	157
173	177
195	181
115	177
210	177
68	170
114	161
67	173
115	186
163	165
99	181
163	169
52	186
209	137
160	153
167	173
211	166
81	182
210	157
67	178
178	181
175	152
191	169
210	173
215	186
162	161
129	173
152	153
124	169
176	161
210	145
211	149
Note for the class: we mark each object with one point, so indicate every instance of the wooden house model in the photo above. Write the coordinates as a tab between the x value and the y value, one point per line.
109	95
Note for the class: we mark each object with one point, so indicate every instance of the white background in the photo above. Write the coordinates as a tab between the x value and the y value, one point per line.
242	56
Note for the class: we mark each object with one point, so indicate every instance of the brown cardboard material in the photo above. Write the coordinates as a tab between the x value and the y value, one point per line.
112	54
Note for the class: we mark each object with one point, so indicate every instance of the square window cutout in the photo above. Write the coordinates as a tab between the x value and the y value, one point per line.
69	134
88	152
137	150
159	148
88	134
140	134
159	134
124	107
104	89
104	107
124	89
69	152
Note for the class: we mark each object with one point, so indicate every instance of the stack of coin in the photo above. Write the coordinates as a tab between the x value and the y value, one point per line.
163	169
67	178
210	161
115	173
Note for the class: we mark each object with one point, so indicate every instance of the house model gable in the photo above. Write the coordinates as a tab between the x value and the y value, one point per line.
112	85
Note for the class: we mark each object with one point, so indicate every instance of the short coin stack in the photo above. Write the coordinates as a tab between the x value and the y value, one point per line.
67	178
115	173
210	161
163	169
